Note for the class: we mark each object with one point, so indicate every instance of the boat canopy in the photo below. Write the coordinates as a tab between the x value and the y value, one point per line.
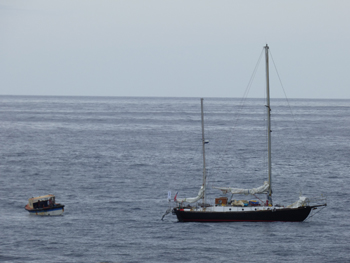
33	200
192	199
259	190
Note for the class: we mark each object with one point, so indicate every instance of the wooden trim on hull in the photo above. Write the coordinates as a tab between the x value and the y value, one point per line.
285	215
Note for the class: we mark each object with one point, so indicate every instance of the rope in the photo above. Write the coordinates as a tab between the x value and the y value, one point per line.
259	198
242	101
299	133
290	108
315	213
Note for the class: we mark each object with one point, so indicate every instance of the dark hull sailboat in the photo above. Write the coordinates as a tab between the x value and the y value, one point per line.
226	210
270	215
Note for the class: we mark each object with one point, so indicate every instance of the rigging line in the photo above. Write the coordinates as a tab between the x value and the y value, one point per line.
241	105
319	210
243	99
259	198
302	139
290	108
246	92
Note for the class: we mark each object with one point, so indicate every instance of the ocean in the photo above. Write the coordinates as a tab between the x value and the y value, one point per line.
112	160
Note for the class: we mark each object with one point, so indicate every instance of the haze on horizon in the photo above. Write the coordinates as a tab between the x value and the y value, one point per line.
163	48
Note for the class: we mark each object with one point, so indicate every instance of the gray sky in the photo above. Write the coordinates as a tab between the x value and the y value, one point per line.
181	48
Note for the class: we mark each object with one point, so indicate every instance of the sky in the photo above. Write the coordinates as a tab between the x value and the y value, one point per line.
177	48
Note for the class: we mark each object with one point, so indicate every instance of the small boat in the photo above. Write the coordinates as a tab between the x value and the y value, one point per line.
230	210
44	205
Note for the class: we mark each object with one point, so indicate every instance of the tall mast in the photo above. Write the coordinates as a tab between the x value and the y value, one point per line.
203	145
268	121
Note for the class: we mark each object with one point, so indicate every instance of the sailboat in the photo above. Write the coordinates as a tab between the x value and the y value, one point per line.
225	210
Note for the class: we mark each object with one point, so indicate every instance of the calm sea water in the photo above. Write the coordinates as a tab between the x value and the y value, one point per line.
111	161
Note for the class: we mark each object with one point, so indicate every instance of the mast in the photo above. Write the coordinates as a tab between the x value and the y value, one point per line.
268	122
203	146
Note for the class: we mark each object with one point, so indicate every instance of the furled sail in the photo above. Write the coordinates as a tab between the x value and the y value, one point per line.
192	199
259	190
303	201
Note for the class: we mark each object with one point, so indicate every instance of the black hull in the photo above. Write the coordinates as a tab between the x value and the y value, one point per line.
44	209
285	215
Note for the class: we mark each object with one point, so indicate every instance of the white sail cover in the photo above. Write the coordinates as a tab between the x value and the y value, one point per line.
259	190
303	201
192	199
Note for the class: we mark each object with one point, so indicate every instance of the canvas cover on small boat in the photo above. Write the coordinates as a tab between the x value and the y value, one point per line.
259	190
41	198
